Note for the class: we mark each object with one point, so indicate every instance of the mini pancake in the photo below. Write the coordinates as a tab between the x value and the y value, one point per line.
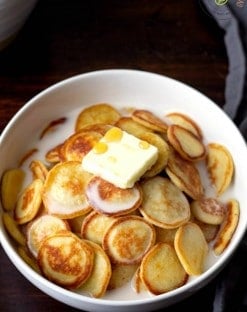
220	166
29	202
109	199
11	185
78	145
13	229
121	274
138	284
42	227
128	239
149	120
228	227
185	175
132	127
64	190
186	122
191	247
66	260
208	210
98	113
96	285
163	153
161	270
53	155
164	204
186	143
95	225
38	169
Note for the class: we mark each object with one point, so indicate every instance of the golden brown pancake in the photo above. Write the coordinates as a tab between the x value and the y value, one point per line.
161	270
149	120
13	229
78	145
109	199
29	202
228	227
220	166
132	127
191	247
186	122
95	225
42	227
185	175
96	285
64	190
66	260
11	185
128	239
98	113
164	204
208	210
39	170
186	143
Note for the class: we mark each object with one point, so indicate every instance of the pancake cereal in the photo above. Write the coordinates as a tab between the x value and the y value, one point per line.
87	234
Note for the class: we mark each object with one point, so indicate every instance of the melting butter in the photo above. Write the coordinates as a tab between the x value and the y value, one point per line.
132	158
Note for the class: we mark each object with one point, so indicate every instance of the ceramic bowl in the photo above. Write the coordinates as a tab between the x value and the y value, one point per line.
123	88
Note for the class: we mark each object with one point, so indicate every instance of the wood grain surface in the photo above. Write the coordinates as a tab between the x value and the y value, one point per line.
65	38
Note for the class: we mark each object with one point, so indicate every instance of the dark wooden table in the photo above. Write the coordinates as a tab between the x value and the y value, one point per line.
64	38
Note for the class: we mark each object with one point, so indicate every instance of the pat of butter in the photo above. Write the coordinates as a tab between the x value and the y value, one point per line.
120	158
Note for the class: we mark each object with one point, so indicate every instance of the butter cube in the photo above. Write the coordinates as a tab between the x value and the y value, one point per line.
120	158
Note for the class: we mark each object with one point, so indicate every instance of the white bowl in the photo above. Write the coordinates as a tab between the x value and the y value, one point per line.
124	88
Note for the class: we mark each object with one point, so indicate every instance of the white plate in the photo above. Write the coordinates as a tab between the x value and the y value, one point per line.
123	88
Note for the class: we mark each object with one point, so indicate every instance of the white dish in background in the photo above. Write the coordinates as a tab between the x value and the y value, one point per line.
13	15
123	88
